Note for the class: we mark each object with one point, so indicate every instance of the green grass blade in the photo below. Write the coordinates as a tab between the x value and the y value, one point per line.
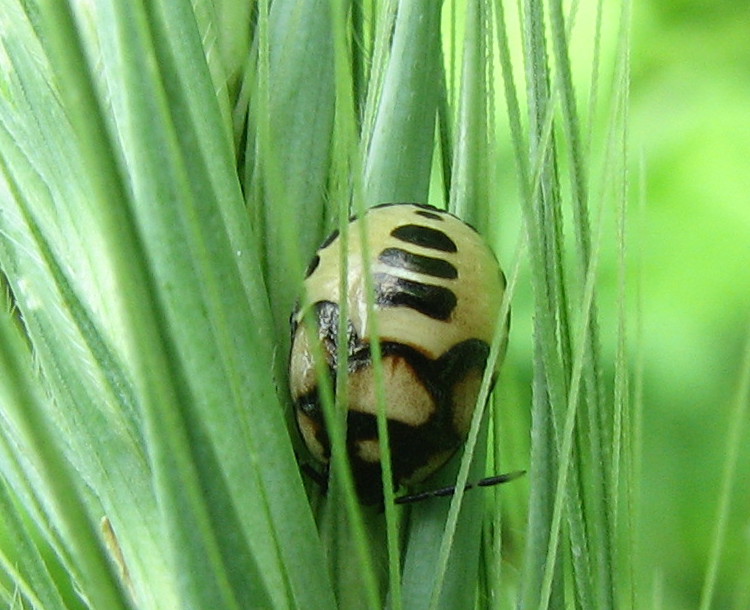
401	141
458	557
233	334
24	413
595	431
737	428
547	391
578	440
193	438
98	416
292	112
27	568
470	179
176	480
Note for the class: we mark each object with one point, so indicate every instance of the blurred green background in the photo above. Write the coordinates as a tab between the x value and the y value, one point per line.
691	128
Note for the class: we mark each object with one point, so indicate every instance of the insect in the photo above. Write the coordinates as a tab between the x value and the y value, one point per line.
437	291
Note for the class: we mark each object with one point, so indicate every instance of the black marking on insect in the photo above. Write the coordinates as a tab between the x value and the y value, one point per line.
312	266
437	302
430	215
426	265
427	237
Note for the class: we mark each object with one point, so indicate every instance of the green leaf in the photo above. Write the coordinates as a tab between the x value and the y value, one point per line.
400	137
58	487
289	139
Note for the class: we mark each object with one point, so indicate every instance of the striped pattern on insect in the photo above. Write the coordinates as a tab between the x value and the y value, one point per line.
437	295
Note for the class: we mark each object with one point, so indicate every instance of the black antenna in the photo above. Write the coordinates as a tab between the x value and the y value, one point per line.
449	491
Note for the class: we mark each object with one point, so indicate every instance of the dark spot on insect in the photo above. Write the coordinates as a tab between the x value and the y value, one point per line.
293	317
314	262
412	446
427	206
430	215
330	239
384	205
436	302
427	265
426	237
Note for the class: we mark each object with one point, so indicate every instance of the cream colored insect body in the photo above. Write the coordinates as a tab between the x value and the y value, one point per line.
437	294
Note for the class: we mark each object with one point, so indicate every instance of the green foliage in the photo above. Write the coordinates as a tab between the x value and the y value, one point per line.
688	107
167	169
